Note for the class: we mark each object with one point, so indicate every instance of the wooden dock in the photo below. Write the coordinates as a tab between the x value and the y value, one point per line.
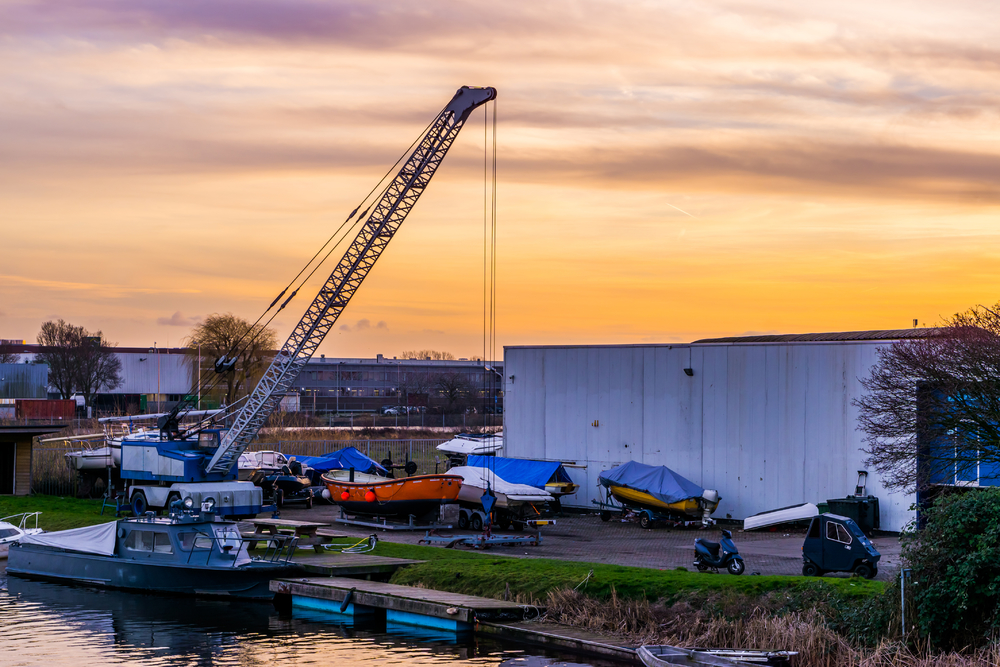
366	566
401	604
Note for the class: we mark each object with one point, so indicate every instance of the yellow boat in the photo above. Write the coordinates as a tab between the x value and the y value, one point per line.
655	493
692	507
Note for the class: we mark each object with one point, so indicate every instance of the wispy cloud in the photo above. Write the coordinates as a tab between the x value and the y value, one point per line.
179	320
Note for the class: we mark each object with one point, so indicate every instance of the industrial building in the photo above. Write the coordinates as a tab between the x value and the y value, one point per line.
768	421
155	379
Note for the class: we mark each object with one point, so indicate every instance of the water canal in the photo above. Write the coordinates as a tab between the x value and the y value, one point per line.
56	625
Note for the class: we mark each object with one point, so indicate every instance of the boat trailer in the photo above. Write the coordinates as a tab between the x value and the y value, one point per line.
382	523
646	517
484	540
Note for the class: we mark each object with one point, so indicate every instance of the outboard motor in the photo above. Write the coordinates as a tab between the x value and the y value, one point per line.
711	501
718	554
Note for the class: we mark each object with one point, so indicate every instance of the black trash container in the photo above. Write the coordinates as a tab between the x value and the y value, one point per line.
863	509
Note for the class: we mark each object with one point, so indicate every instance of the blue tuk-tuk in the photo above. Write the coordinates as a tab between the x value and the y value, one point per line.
836	544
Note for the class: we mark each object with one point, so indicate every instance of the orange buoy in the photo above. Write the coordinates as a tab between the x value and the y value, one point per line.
345	495
370	497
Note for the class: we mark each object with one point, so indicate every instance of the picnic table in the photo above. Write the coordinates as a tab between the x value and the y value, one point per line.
309	533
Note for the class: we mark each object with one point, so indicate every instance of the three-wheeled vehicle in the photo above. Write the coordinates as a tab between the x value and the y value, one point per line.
836	544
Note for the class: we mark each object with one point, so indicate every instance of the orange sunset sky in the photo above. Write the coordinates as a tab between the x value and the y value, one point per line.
668	171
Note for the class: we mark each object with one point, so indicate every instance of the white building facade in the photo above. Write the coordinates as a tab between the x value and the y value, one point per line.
768	421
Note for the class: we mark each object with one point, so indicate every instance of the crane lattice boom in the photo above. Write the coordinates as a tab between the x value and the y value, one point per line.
376	232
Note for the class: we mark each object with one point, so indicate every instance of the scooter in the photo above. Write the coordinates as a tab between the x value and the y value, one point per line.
718	554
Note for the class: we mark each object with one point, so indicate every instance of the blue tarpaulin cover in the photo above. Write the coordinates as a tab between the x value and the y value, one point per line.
522	471
658	481
343	459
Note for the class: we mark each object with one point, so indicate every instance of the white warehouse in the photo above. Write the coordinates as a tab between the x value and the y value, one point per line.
768	421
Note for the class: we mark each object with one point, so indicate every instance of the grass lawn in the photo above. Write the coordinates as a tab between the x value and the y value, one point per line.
57	513
487	575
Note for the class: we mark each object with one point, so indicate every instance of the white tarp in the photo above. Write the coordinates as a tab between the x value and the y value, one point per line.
99	539
462	445
475	483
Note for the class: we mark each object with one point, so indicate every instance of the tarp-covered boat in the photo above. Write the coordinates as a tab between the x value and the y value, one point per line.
548	475
660	490
183	554
508	494
344	459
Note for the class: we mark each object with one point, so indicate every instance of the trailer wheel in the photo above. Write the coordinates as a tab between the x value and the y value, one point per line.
463	519
605	515
279	498
139	503
645	521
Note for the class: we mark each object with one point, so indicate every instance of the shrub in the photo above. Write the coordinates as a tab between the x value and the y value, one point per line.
955	561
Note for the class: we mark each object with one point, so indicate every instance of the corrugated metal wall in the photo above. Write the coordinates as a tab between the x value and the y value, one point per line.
24	380
142	373
768	425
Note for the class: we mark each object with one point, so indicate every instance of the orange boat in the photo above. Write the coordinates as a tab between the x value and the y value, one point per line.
420	495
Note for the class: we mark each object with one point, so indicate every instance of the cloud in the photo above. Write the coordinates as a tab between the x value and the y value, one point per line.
178	320
363	325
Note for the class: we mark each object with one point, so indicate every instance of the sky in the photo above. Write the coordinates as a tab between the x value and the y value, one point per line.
666	171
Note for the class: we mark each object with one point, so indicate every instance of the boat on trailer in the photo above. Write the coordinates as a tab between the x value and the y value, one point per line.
185	553
419	496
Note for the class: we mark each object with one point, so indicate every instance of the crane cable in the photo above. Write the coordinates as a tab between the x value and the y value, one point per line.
235	350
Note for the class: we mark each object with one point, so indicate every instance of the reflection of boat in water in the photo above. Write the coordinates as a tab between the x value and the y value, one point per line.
183	554
420	495
657	492
14	527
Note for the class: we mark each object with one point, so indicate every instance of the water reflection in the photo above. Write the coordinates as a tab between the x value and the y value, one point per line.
71	626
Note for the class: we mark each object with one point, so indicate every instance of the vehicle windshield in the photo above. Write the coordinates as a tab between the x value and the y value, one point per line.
855	530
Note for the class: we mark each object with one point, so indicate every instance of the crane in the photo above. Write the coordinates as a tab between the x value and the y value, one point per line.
200	465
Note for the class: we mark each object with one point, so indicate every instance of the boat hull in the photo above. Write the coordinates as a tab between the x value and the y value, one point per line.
245	582
420	495
691	507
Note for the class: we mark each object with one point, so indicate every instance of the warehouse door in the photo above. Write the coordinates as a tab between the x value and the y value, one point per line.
7	450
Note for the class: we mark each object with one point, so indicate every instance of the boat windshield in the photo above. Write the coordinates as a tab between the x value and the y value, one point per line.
227	536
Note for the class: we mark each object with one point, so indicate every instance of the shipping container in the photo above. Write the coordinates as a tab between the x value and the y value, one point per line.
45	409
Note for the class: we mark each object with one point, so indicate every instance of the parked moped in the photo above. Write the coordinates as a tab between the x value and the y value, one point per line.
718	554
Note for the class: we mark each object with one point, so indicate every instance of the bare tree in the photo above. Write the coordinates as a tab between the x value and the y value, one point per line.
931	410
7	354
428	354
454	388
79	361
252	347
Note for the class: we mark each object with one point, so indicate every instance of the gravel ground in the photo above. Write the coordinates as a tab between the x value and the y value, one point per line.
584	537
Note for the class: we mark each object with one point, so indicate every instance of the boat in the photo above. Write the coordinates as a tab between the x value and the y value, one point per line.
474	482
92	458
665	655
186	553
14	527
267	461
550	476
657	492
463	445
515	505
788	514
344	459
420	495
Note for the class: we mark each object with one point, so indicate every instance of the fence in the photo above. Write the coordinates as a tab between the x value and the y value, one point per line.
50	474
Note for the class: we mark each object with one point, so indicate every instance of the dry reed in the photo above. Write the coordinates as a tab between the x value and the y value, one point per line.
680	624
